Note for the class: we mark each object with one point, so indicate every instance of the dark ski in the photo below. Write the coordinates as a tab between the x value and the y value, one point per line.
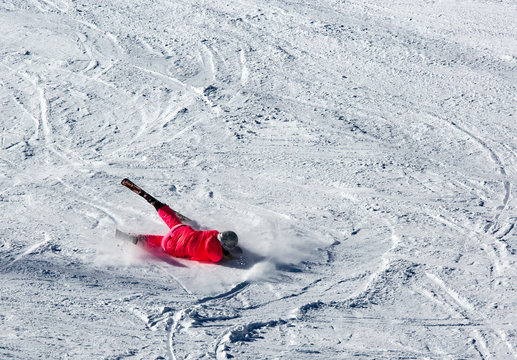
149	198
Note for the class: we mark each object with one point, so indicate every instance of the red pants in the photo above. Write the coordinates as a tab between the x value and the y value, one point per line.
170	218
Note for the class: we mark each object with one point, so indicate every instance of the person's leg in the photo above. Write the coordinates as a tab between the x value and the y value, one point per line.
150	241
169	216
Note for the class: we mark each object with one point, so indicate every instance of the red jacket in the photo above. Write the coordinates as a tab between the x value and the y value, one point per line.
185	242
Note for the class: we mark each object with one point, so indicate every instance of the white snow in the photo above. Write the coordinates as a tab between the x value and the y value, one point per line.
364	151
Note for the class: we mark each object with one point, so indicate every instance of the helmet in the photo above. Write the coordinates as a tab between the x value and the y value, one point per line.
228	239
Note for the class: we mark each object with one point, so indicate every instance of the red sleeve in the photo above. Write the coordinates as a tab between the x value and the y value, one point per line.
214	249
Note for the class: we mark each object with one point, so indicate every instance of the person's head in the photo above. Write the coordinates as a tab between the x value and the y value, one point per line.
228	239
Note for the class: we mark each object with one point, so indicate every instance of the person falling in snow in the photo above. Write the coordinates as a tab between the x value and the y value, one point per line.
182	240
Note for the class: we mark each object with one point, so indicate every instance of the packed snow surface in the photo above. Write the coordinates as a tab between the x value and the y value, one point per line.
365	152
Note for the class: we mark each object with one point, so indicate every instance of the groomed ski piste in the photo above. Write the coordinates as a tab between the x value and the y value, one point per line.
364	151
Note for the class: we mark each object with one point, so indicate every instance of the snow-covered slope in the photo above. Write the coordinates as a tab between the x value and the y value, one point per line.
365	152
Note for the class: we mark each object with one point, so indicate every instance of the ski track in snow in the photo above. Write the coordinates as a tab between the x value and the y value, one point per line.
364	152
31	249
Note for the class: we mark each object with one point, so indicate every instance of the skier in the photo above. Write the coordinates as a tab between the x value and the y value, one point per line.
182	241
